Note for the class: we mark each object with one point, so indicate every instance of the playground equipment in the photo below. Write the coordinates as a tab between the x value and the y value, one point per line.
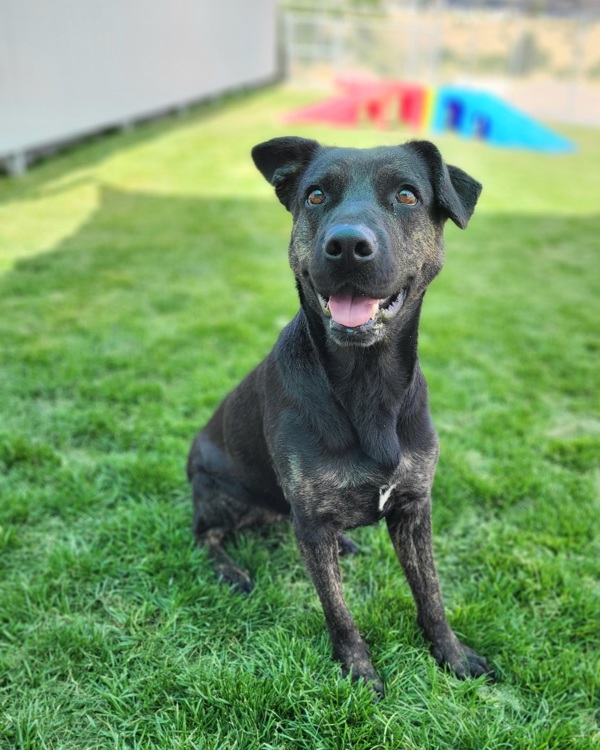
471	113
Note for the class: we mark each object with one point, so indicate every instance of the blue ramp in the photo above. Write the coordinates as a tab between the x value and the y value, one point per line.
479	114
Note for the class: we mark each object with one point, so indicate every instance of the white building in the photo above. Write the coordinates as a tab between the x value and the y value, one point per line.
72	67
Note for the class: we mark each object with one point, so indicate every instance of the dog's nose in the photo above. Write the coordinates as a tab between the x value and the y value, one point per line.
350	243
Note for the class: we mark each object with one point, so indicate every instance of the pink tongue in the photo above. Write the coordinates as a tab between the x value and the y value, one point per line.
352	311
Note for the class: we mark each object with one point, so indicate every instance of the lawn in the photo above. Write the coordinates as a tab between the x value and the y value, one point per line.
142	275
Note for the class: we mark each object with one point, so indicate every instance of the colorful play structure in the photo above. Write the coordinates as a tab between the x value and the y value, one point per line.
471	113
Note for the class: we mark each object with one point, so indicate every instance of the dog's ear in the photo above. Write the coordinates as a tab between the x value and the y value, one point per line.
455	191
282	161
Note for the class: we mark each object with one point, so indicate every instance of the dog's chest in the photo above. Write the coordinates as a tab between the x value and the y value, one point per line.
400	481
368	504
350	494
384	495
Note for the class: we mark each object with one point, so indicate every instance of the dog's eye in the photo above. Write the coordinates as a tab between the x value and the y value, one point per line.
406	196
315	197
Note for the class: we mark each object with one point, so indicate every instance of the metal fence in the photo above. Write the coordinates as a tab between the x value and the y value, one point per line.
547	62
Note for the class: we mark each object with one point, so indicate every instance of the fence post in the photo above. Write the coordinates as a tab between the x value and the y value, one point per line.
288	55
437	42
577	57
338	45
16	164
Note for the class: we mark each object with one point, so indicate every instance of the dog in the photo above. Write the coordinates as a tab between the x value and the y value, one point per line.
333	428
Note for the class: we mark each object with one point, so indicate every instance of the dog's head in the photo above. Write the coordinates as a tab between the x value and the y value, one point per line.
367	232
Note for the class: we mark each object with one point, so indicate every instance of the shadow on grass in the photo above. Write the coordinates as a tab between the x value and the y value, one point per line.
203	267
118	343
116	347
91	150
158	305
153	266
204	282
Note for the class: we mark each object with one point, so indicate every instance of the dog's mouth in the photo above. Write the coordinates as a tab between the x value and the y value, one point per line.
355	311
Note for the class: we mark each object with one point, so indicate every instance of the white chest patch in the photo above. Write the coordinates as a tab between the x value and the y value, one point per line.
384	494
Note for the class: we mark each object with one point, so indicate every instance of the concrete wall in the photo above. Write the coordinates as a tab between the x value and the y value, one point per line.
70	67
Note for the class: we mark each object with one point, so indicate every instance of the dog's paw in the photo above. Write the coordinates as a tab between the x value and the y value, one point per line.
227	571
476	665
463	661
238	578
356	664
346	546
367	674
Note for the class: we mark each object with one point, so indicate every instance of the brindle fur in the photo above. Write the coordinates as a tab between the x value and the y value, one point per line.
333	417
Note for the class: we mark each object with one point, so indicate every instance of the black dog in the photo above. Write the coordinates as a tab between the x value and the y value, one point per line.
333	428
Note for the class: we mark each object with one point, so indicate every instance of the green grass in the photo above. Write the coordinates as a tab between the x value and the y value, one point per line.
143	275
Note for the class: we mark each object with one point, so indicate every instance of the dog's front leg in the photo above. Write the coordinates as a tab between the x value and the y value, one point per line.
409	525
319	550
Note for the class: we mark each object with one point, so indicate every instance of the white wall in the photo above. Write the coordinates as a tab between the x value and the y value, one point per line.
69	67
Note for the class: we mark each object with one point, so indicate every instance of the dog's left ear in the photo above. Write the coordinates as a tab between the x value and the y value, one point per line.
282	161
456	192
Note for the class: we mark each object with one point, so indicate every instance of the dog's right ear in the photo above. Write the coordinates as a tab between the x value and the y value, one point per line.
282	161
